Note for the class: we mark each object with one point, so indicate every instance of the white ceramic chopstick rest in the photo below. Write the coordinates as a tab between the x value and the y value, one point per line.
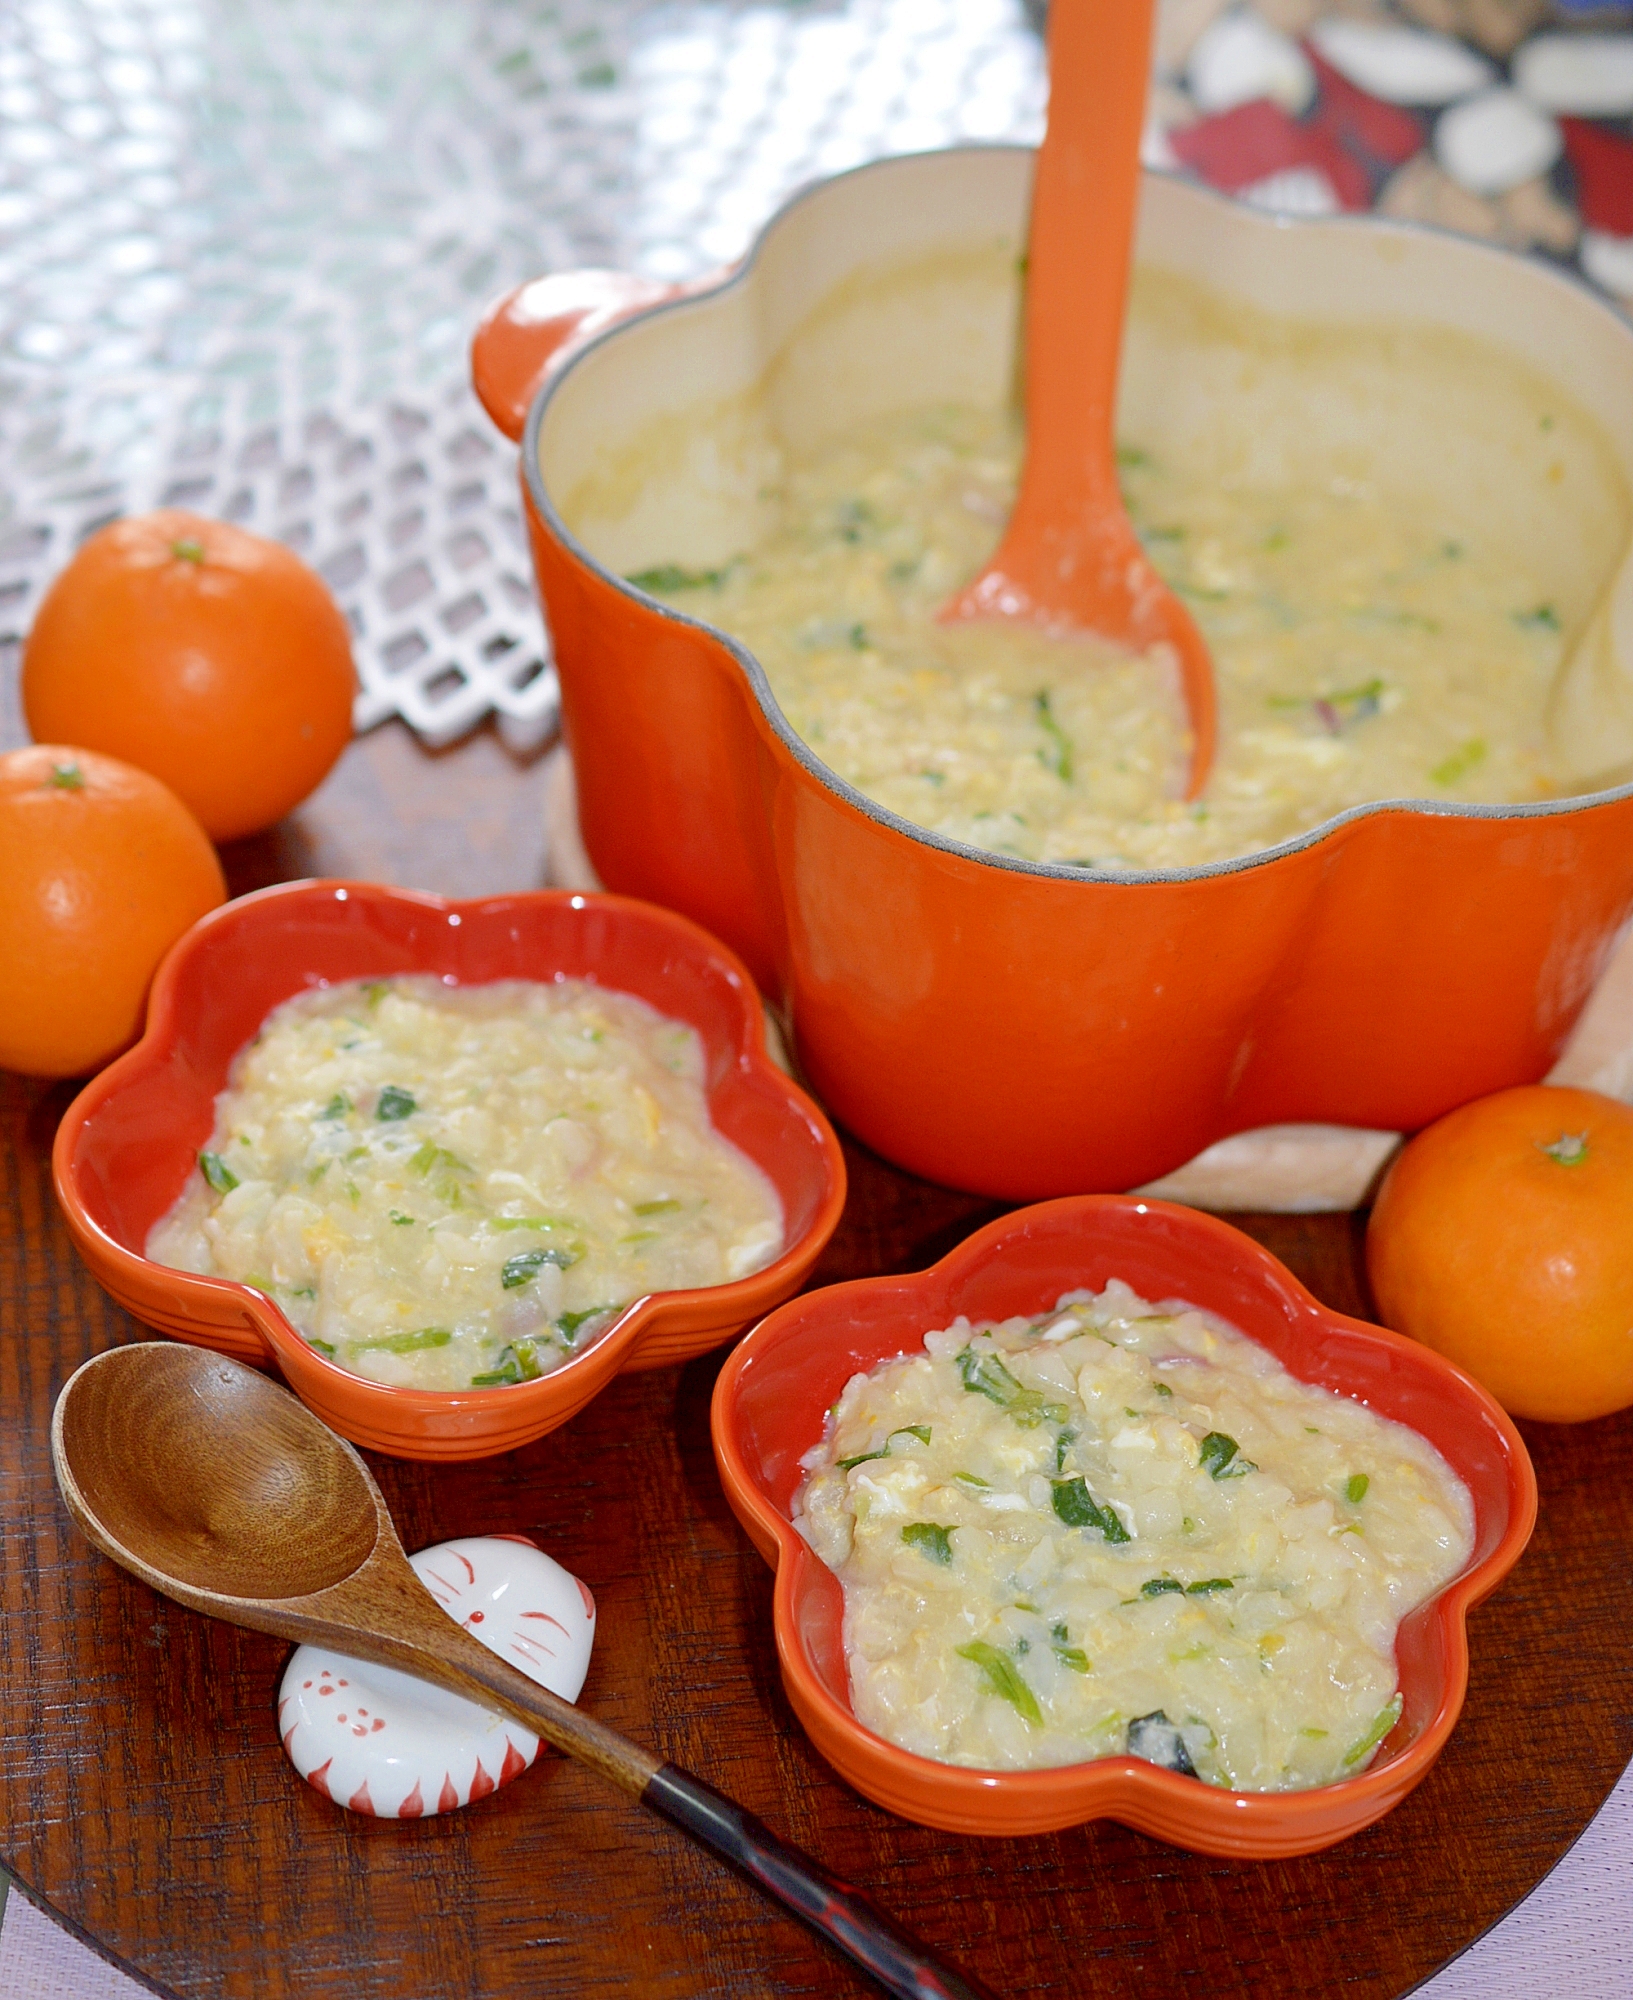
378	1741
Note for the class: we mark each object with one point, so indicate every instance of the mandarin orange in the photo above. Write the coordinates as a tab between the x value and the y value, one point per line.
207	655
101	869
1503	1237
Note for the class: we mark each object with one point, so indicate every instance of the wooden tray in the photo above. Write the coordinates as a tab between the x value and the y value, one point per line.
144	1798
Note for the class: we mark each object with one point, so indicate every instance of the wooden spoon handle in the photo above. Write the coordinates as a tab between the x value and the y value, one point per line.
419	1638
850	1921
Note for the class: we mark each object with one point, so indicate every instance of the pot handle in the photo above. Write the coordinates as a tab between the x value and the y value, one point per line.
531	331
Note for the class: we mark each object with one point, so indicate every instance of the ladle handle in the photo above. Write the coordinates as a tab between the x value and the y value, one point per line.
851	1921
1084	198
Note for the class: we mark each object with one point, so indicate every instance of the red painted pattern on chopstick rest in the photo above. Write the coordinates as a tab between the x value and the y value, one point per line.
413	1807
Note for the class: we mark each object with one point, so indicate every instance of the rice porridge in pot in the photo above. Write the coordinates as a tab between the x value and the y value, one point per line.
1387	609
1126	1528
448	1187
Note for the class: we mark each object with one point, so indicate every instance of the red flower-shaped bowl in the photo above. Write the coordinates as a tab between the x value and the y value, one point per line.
132	1136
775	1390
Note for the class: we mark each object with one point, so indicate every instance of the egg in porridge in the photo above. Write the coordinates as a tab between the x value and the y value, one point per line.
451	1187
1125	1528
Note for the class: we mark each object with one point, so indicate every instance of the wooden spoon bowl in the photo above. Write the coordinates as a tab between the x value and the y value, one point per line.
276	1512
215	1486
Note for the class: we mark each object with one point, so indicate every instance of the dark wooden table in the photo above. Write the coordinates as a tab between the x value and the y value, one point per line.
145	1801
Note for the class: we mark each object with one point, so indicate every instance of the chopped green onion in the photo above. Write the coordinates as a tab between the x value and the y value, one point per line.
1159	1742
1542	618
1057	755
430	1156
402	1221
1381	1724
1355	1488
932	1541
1459	764
670	576
501	1376
395	1103
1208	1586
324	1347
411	1343
970	1479
667	1207
1077	1507
1161	1586
527	1264
1068	1655
1219	1456
516	1363
985	1375
216	1171
854	516
568	1324
920	1431
1002	1678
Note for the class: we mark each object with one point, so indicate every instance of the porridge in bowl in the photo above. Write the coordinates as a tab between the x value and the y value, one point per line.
1126	1528
450	1187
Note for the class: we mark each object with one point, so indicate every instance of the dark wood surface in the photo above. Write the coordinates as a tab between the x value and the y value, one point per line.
145	1800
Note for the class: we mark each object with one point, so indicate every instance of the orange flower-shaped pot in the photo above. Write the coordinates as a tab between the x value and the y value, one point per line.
1006	1026
131	1138
776	1389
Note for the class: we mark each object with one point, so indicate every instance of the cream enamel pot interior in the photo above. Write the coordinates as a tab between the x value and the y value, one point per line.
1017	1028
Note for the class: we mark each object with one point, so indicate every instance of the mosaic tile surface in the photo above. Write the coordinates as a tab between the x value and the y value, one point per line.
242	244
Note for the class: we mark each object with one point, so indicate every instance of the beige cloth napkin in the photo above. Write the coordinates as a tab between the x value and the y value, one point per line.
1297	1169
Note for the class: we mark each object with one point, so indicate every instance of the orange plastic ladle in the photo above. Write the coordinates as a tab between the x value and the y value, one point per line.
1069	557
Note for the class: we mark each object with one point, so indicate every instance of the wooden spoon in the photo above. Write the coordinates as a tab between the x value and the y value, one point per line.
1070	559
215	1486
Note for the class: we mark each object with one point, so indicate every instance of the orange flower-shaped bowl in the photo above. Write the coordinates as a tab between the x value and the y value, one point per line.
132	1136
777	1387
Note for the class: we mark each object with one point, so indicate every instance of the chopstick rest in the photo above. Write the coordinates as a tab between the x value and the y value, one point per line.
381	1742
